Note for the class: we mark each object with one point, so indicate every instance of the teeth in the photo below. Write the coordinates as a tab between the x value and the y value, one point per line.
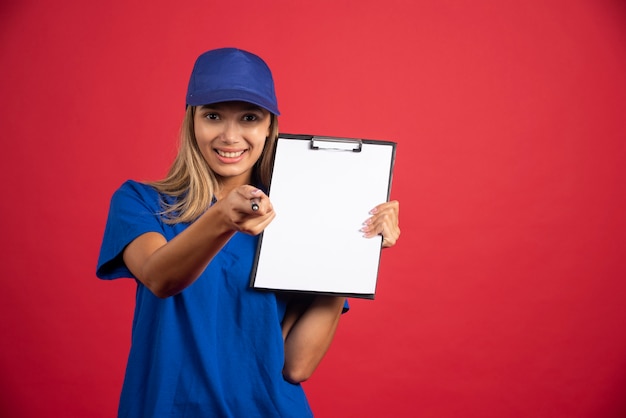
229	154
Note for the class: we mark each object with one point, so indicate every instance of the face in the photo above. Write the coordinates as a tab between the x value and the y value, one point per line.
231	137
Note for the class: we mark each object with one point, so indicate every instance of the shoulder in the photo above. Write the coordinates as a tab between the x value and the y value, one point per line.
136	191
133	200
136	187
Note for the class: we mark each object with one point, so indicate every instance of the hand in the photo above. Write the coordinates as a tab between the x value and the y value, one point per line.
384	221
247	209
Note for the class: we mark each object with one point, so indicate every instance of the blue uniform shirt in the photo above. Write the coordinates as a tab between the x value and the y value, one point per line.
215	349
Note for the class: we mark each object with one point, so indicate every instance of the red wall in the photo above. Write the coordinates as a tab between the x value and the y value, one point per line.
505	296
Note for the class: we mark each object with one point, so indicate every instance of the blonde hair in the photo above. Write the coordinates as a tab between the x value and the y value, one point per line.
191	182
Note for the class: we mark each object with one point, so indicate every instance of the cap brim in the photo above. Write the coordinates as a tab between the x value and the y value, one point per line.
219	96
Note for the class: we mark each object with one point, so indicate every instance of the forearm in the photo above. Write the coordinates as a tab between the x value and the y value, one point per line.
310	336
172	266
295	308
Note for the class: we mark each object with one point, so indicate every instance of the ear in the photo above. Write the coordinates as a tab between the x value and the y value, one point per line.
269	127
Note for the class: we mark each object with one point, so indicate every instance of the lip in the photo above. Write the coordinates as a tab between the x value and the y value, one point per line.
230	156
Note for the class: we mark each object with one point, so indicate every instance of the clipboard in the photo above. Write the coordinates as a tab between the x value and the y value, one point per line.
322	189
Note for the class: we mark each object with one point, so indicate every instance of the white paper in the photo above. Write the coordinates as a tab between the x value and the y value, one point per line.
321	199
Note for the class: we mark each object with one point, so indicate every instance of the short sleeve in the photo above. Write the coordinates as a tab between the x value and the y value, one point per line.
134	210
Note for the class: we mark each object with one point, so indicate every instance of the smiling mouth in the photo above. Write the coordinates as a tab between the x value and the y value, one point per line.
229	154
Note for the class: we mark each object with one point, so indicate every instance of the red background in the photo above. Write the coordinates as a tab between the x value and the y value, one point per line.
503	298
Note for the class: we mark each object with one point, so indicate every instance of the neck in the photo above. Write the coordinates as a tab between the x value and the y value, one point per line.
227	185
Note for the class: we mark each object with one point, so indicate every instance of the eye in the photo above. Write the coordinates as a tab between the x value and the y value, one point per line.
250	117
212	116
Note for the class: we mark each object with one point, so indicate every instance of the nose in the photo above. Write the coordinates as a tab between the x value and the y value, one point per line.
231	132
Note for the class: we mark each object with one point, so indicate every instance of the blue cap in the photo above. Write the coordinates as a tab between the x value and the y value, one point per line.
230	74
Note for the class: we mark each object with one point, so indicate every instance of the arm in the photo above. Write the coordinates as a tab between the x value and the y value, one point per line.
309	325
308	328
167	268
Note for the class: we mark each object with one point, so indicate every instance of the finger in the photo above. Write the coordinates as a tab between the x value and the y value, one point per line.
386	209
391	238
393	205
253	196
385	224
260	206
248	191
256	225
375	225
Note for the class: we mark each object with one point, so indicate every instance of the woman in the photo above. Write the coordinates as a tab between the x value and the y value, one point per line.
203	342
